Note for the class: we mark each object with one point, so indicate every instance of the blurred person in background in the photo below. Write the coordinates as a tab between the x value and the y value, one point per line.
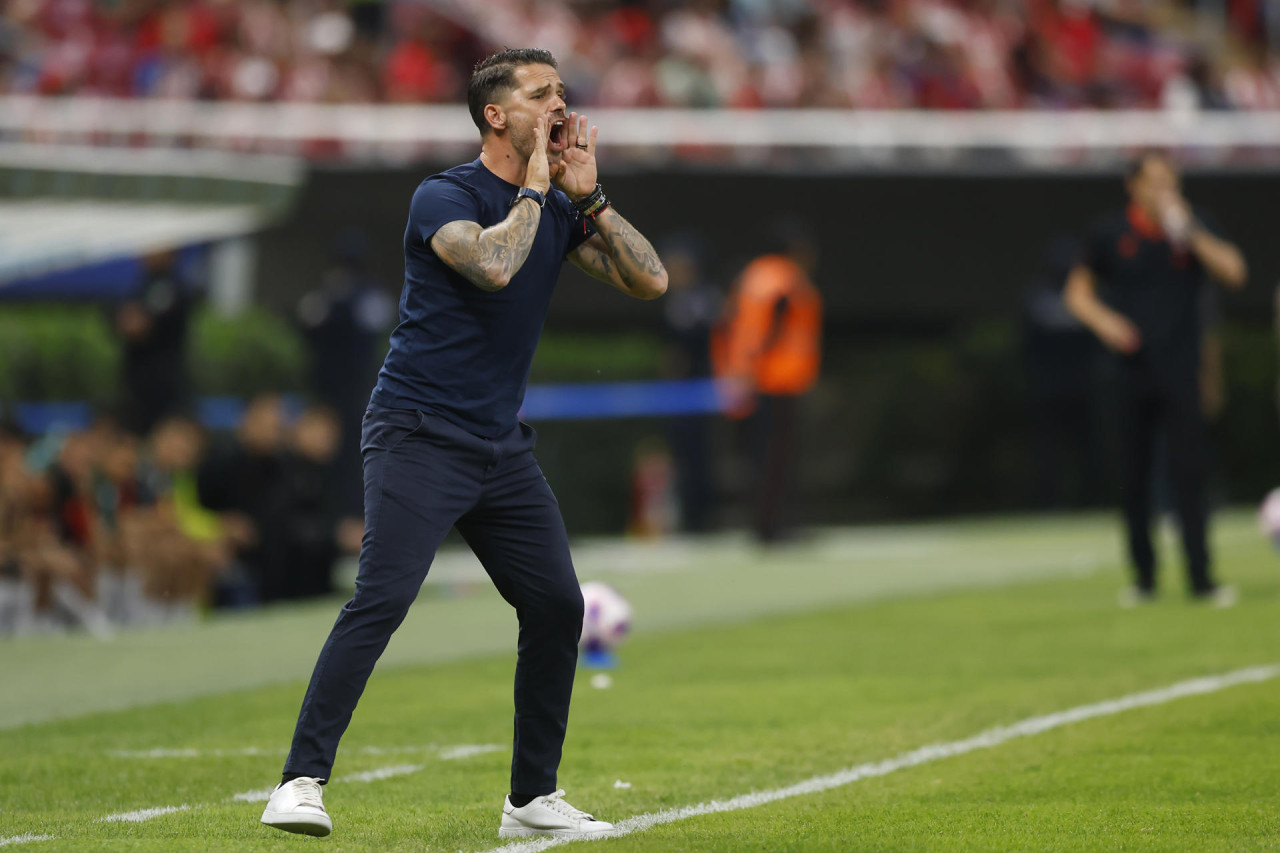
56	534
345	321
186	549
767	352
242	479
73	502
1276	299
1061	358
690	310
34	561
316	533
152	327
1139	288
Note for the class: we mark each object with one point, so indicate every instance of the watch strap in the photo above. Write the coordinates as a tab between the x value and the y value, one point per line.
528	192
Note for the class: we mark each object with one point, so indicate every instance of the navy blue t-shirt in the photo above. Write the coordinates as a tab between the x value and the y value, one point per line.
1157	286
459	352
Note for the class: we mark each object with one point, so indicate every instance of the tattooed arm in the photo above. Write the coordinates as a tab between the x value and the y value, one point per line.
489	257
619	255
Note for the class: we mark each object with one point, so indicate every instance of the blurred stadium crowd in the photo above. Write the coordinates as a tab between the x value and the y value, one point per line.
887	54
101	527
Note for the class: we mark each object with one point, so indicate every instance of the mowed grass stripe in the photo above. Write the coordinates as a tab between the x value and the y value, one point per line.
696	715
933	752
719	580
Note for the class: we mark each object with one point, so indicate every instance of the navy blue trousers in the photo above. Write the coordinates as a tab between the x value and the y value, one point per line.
1174	407
422	476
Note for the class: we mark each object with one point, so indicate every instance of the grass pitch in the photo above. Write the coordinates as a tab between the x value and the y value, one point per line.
748	672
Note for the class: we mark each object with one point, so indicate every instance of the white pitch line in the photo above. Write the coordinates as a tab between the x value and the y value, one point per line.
925	754
445	753
24	839
161	752
142	814
383	773
263	794
454	753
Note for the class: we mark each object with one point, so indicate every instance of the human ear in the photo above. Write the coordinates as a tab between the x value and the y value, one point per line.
496	116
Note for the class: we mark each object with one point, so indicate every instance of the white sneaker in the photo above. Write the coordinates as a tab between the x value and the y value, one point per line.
1223	596
549	815
1134	596
296	806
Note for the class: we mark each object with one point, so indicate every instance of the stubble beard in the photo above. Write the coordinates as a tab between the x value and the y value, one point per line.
523	141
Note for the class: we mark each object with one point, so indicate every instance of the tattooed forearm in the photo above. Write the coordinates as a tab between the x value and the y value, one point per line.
596	263
638	266
489	257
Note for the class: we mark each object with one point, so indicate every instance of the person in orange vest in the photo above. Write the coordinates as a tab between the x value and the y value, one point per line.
767	352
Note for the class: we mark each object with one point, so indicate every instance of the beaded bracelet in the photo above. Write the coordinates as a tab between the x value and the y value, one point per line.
592	205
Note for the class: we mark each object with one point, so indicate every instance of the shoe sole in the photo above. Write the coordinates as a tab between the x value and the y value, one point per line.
526	831
297	824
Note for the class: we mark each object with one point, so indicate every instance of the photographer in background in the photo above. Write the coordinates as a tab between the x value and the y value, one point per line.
1153	261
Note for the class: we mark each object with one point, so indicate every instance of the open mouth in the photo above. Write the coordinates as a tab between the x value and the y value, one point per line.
556	138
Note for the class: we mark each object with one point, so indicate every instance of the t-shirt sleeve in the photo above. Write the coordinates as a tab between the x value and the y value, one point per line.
437	202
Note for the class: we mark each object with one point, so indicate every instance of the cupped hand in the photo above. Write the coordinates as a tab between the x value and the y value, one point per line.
576	173
537	175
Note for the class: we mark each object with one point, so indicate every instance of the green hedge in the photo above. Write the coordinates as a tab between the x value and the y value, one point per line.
69	352
57	353
246	354
62	352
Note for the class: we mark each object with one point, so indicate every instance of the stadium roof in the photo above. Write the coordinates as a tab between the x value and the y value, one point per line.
40	237
75	219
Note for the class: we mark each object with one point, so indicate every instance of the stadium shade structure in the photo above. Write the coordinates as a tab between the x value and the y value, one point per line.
75	219
382	133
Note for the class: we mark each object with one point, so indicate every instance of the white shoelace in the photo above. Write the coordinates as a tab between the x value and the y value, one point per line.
556	803
307	791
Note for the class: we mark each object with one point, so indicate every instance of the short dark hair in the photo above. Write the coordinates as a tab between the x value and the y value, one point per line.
496	75
1135	166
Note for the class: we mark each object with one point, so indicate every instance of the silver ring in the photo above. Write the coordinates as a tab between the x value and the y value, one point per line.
580	145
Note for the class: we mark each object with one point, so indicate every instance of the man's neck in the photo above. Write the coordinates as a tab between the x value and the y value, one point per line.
499	157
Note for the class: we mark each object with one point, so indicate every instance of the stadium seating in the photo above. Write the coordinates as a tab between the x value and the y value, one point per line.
933	54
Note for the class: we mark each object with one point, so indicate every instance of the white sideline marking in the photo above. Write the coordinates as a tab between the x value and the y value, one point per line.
382	773
445	753
454	753
925	754
142	814
24	839
161	752
263	794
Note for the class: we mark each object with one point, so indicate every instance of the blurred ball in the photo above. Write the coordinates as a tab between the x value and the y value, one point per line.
606	617
1269	517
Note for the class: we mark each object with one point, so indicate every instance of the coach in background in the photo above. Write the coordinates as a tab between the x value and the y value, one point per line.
1153	262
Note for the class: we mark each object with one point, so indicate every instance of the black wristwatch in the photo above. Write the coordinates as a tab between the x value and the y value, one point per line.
526	192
